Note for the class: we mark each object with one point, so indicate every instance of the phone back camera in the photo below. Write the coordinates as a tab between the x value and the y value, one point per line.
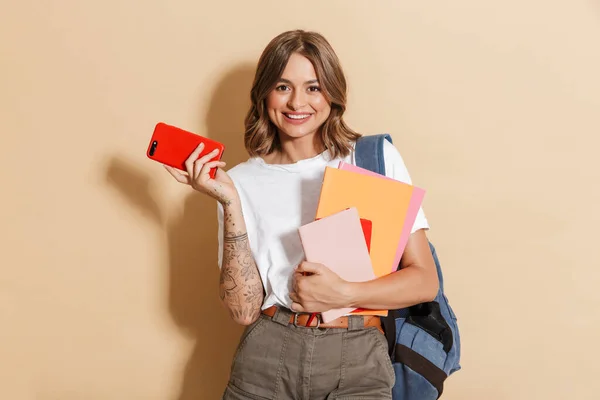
153	148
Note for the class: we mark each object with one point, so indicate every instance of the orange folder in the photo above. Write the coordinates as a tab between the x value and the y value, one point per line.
411	216
383	201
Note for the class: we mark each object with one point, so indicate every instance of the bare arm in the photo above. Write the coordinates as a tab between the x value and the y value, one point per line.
416	282
240	287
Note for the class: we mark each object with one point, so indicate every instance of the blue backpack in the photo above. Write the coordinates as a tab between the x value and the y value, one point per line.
423	340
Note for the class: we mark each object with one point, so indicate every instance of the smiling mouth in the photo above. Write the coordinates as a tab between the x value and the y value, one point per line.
297	116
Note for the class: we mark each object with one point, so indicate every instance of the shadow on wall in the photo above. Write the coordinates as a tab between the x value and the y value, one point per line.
191	242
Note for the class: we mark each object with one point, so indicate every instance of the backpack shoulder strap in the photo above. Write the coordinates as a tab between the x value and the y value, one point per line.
369	152
369	155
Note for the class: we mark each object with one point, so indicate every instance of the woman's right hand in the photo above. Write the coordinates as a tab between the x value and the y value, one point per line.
198	176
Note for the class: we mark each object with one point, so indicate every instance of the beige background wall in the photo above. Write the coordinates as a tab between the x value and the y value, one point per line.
108	277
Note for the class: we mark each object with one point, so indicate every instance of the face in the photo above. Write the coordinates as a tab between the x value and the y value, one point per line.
297	106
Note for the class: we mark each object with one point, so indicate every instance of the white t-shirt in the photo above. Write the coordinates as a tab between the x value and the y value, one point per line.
276	200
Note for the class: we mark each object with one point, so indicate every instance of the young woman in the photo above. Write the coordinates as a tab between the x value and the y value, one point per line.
294	129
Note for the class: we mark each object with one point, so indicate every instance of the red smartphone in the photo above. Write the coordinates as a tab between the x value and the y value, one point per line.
172	146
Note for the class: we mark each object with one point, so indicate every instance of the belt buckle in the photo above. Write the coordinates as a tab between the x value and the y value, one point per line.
318	316
296	319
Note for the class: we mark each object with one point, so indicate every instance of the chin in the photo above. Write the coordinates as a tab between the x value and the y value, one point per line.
298	131
295	133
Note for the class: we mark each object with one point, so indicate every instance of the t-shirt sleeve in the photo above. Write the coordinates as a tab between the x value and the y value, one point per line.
396	169
220	233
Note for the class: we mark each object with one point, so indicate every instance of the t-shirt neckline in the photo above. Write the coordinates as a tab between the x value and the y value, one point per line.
300	164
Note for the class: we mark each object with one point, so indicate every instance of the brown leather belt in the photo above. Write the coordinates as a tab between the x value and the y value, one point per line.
341	322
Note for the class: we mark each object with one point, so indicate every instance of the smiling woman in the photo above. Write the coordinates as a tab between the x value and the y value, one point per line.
294	130
297	107
298	75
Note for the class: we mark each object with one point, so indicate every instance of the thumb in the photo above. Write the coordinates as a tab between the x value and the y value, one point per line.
311	268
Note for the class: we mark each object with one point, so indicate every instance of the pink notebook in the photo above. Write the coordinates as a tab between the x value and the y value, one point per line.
411	215
337	241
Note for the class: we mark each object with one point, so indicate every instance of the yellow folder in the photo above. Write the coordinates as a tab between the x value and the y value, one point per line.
383	201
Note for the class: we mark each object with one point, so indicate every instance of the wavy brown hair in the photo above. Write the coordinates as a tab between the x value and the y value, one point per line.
261	136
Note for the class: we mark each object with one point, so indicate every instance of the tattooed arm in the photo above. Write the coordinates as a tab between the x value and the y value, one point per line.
240	288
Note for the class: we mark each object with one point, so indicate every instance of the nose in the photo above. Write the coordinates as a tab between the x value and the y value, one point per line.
297	100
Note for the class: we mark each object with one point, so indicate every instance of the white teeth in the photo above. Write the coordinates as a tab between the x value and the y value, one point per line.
298	116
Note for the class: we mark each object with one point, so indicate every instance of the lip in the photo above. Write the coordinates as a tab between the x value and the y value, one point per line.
296	121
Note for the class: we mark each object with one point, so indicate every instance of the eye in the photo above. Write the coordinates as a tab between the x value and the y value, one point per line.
314	89
282	88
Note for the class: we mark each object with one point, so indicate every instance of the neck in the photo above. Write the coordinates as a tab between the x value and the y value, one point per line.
297	149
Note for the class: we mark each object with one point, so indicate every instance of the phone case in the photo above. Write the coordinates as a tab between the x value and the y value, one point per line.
172	146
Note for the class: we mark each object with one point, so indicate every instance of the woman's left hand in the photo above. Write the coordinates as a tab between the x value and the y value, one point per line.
316	288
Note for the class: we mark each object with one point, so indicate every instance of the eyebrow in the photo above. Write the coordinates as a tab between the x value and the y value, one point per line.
306	83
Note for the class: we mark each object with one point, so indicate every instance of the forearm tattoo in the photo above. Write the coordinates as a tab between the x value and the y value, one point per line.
240	284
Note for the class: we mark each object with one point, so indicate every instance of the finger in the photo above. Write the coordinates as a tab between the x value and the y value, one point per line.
204	169
297	307
295	284
190	161
197	170
179	177
207	157
197	164
300	272
221	174
311	268
294	297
